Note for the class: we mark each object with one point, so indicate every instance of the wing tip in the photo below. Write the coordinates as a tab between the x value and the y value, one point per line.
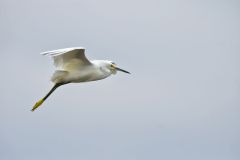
58	51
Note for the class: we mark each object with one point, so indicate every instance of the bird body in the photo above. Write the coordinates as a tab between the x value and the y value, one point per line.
73	67
97	70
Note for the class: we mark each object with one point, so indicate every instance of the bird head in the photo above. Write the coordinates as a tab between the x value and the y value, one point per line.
113	68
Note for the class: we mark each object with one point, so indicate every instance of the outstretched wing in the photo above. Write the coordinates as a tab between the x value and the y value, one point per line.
68	58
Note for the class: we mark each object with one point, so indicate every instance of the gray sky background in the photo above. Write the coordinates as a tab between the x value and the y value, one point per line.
181	101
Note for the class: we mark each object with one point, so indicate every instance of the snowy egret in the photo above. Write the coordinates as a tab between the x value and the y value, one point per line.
73	67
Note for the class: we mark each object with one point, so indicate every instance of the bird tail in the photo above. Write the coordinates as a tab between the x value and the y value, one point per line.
40	102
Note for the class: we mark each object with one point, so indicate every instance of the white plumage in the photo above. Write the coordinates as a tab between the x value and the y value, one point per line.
68	56
73	67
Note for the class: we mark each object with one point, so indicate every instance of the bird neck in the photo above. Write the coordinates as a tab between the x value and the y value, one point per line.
102	65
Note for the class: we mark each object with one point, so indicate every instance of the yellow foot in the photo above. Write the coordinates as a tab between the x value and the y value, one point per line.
37	105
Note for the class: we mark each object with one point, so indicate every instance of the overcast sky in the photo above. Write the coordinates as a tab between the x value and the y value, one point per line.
182	100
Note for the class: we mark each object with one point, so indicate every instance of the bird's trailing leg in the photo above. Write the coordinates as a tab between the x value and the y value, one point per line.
44	98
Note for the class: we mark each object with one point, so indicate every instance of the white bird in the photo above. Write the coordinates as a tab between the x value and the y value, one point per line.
74	67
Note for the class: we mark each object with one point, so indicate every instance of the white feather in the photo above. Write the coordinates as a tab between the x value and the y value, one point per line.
68	58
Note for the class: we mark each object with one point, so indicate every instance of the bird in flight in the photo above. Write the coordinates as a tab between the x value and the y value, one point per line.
73	67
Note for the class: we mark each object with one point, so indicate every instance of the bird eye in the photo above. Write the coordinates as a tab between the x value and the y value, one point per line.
113	65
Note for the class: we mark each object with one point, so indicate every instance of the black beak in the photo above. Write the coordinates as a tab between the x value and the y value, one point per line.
119	69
